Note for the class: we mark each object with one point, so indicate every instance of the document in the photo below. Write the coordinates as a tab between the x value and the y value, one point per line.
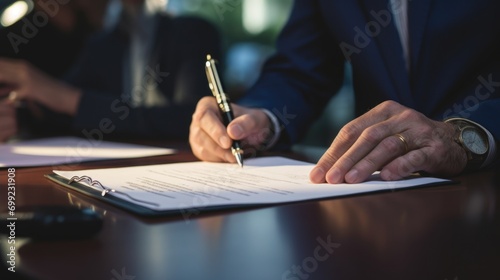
67	150
204	185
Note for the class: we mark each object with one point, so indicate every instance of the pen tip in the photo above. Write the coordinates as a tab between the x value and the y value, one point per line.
239	159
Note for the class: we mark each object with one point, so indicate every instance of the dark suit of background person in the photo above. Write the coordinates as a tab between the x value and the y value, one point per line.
178	66
454	61
175	67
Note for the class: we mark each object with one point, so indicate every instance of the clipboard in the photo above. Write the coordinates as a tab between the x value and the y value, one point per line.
132	207
173	189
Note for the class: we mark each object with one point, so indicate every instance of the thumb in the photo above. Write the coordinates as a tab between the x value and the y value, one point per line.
253	125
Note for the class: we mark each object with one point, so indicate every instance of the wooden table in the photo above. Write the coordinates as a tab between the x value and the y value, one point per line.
445	232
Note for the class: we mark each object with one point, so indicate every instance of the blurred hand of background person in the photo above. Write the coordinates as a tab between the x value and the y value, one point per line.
31	84
36	52
8	121
143	71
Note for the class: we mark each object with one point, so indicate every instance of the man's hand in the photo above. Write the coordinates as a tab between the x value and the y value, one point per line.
8	122
394	139
31	84
210	140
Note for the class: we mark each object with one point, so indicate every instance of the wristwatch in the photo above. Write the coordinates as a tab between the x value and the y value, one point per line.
473	139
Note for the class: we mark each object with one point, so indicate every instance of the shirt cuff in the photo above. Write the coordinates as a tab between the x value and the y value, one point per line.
276	130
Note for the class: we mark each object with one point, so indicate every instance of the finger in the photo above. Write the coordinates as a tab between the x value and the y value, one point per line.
5	89
348	148
205	121
4	93
7	133
403	166
435	157
357	139
350	132
340	145
388	149
211	124
208	118
11	71
369	139
253	126
7	108
8	127
206	149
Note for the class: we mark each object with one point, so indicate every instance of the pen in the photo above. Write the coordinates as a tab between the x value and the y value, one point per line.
223	102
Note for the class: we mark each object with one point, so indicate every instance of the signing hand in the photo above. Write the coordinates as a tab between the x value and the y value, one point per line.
31	84
394	139
210	140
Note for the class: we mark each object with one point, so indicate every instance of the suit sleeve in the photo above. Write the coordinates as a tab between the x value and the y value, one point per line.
306	70
481	102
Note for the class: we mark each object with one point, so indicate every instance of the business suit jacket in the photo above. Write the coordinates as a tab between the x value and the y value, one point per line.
454	61
177	68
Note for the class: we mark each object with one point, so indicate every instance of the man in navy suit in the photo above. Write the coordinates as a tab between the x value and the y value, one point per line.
416	64
140	78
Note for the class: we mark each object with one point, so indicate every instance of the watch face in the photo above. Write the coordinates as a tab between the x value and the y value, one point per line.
474	141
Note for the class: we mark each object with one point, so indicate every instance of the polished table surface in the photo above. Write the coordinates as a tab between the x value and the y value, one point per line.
444	232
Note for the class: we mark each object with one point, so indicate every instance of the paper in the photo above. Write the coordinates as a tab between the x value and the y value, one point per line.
67	150
201	184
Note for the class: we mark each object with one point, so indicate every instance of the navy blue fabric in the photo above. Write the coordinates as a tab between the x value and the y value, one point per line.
454	68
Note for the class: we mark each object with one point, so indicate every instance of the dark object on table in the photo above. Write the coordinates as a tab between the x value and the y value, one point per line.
52	223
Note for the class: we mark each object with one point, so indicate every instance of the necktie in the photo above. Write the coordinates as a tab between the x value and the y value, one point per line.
400	14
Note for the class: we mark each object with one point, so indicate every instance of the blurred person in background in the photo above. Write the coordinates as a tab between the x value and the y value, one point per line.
140	77
50	37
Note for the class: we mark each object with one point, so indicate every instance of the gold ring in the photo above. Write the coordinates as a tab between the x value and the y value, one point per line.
403	139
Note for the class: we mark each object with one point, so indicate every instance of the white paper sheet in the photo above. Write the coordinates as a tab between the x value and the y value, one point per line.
67	150
202	184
